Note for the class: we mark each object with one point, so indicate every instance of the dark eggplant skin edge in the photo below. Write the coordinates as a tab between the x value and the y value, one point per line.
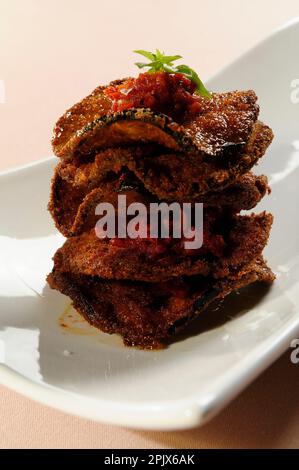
146	115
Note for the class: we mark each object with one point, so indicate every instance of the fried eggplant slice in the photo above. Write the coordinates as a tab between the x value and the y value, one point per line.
76	191
229	243
146	314
149	163
179	176
73	207
223	125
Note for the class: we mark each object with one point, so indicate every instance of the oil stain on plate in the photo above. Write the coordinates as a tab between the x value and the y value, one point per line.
72	322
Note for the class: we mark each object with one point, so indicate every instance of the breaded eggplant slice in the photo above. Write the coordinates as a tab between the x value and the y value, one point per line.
73	207
75	193
237	241
178	176
223	125
146	314
172	176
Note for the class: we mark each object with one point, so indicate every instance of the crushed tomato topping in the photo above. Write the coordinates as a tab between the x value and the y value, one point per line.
213	244
171	94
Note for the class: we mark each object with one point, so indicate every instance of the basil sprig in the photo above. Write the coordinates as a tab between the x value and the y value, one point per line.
161	62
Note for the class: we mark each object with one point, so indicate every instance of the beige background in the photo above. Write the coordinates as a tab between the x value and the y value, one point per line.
52	53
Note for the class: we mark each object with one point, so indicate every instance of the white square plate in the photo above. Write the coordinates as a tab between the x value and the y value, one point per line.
86	372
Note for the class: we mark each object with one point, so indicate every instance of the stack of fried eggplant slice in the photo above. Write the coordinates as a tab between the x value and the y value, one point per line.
145	289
